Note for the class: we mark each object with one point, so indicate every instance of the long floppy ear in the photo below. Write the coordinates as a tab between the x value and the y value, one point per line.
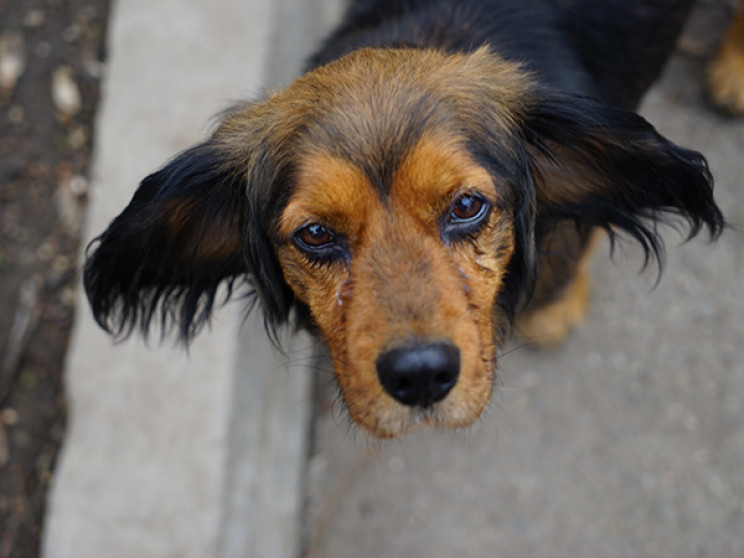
198	222
604	166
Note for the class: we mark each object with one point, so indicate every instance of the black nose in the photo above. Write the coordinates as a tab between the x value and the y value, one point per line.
421	373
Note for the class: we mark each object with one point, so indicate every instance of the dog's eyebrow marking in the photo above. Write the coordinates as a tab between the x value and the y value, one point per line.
331	190
340	194
438	166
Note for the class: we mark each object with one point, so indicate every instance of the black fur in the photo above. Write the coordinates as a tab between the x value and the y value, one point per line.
644	177
609	49
138	262
138	268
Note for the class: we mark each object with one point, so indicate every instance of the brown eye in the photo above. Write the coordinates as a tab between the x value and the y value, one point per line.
466	217
321	244
315	236
468	207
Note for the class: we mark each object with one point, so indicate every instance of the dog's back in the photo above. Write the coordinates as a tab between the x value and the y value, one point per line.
581	46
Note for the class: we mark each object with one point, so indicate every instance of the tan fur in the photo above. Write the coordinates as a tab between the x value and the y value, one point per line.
402	282
549	324
726	72
485	90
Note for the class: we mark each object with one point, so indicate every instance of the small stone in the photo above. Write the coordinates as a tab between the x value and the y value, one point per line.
12	61
70	201
79	185
67	297
43	49
61	264
93	68
9	416
16	114
78	138
72	33
45	252
34	18
65	92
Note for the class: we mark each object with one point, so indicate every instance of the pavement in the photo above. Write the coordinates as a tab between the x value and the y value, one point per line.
626	441
169	453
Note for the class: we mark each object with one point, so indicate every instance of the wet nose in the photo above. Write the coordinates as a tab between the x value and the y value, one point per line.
421	373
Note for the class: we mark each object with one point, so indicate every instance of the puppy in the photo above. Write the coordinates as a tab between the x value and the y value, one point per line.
437	174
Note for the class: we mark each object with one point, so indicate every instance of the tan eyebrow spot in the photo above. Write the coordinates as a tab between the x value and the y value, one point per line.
435	170
330	190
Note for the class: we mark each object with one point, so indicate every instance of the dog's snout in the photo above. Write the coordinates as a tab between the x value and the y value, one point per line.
419	374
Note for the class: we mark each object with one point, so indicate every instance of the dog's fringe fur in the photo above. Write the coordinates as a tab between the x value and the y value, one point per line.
654	180
138	269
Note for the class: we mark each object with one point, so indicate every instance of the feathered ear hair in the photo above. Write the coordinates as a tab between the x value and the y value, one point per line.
168	251
602	166
202	220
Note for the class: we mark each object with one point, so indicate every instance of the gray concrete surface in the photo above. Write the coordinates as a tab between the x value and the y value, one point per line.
626	442
169	453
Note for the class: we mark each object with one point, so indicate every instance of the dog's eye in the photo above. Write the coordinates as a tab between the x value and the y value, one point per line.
314	236
321	244
465	217
468	208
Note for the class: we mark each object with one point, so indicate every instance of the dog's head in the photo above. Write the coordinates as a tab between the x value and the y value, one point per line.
389	199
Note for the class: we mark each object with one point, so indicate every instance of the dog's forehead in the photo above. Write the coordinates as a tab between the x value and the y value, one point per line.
373	107
376	127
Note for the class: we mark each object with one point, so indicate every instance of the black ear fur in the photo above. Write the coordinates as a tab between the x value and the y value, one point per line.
186	230
607	167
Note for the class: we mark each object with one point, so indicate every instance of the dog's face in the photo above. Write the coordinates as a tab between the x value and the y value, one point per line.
402	284
397	238
390	198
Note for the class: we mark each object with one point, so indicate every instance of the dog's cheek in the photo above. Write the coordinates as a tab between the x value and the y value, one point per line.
322	288
327	291
483	263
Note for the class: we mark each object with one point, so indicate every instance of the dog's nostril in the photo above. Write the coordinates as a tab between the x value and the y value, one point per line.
419	374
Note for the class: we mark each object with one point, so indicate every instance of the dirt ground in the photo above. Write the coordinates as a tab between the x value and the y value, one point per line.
51	65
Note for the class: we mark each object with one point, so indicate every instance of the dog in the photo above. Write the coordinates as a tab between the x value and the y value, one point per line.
434	180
